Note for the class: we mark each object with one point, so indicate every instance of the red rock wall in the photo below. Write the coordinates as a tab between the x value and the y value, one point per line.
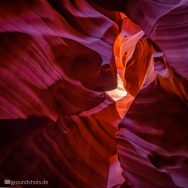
84	81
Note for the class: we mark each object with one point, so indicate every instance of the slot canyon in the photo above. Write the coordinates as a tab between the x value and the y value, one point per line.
94	93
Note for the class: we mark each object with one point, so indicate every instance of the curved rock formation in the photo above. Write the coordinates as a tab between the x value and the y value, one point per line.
94	93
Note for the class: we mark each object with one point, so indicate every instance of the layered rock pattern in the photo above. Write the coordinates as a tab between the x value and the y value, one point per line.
94	94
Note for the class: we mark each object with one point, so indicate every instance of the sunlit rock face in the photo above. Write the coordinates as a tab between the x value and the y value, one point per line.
94	93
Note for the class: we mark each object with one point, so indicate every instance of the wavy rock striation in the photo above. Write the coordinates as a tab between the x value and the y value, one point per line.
89	98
